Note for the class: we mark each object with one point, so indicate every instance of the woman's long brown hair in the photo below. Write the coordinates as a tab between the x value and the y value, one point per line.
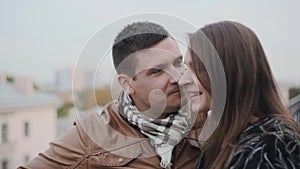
251	89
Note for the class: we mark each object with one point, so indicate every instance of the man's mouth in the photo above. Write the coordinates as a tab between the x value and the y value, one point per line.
173	91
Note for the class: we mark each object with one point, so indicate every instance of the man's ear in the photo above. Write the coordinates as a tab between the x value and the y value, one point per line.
125	82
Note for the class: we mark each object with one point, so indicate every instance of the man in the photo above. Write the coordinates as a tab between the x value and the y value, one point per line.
147	125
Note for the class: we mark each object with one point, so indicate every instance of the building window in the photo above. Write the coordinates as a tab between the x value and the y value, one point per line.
26	129
4	164
4	133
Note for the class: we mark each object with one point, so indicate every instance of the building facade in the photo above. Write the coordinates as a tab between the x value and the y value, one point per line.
27	124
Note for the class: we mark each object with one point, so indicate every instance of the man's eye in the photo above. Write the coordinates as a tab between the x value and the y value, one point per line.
155	71
178	63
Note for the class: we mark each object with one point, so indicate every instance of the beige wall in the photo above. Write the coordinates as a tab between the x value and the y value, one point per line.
42	129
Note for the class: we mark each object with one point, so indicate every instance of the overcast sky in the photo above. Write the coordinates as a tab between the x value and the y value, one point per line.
38	37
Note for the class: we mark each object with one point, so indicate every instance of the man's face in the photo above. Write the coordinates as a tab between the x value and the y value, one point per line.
155	84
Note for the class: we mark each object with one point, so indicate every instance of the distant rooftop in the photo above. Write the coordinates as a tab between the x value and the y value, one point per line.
10	97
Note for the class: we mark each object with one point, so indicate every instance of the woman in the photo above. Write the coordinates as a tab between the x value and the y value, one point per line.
255	129
200	96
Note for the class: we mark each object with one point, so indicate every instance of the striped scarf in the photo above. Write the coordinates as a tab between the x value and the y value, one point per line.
165	133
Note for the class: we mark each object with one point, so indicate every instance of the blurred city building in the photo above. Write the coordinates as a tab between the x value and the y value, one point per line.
83	79
28	120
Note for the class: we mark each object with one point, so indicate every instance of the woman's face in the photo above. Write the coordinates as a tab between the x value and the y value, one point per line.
199	96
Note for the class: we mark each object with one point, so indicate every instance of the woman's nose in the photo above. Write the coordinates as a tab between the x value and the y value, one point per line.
186	78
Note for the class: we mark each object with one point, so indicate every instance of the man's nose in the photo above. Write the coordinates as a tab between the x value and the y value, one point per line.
176	74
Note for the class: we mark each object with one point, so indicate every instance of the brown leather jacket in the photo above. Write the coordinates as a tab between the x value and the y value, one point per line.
105	140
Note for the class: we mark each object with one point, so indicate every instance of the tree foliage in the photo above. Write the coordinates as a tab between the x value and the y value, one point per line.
9	78
103	96
88	99
63	111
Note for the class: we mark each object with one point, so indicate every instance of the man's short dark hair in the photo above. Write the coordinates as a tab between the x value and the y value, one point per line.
134	37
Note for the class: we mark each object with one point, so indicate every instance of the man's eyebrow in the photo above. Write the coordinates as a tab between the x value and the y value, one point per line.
163	65
156	67
159	66
180	57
